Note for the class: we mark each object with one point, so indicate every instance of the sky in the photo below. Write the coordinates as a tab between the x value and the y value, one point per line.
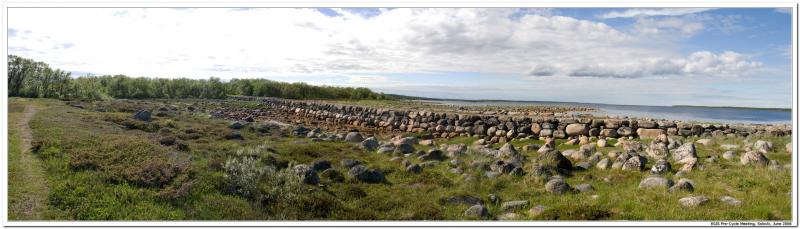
637	56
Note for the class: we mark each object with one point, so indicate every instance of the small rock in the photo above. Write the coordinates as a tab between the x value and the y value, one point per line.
762	146
705	142
321	165
478	211
661	167
514	205
349	163
754	158
693	201
729	155
584	187
730	201
537	210
683	185
508	216
354	137
557	186
414	168
655	182
369	144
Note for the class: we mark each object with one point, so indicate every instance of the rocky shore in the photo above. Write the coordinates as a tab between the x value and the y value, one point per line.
492	128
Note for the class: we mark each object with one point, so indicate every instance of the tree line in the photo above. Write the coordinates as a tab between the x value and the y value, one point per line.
30	78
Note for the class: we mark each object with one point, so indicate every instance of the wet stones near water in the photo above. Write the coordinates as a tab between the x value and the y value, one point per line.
693	201
655	182
753	158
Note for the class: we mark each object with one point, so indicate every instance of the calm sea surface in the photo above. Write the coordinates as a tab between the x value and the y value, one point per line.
704	114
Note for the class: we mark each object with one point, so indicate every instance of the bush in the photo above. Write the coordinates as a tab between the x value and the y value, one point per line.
243	174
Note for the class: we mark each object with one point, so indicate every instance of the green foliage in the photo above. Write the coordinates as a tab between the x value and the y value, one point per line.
28	78
243	174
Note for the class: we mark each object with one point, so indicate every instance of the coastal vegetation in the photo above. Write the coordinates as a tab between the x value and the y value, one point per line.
34	79
102	163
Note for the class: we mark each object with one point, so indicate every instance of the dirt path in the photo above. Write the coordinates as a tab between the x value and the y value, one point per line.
34	196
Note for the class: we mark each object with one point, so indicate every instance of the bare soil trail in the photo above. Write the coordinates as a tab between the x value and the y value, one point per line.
32	200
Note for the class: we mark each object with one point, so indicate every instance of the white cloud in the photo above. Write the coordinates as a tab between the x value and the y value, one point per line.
639	12
304	42
684	26
786	10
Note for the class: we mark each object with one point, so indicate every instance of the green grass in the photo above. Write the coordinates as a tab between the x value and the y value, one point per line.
100	165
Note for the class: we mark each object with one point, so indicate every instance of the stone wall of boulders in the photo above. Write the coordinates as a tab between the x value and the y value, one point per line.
491	127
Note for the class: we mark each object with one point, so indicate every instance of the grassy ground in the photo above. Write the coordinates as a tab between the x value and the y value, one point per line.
26	186
104	165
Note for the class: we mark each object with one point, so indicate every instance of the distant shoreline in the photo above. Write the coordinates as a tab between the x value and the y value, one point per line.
735	107
528	101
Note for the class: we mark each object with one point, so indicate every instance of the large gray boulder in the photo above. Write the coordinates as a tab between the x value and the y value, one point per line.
657	150
685	151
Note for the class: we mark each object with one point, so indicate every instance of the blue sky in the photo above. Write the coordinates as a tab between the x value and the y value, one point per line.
646	56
